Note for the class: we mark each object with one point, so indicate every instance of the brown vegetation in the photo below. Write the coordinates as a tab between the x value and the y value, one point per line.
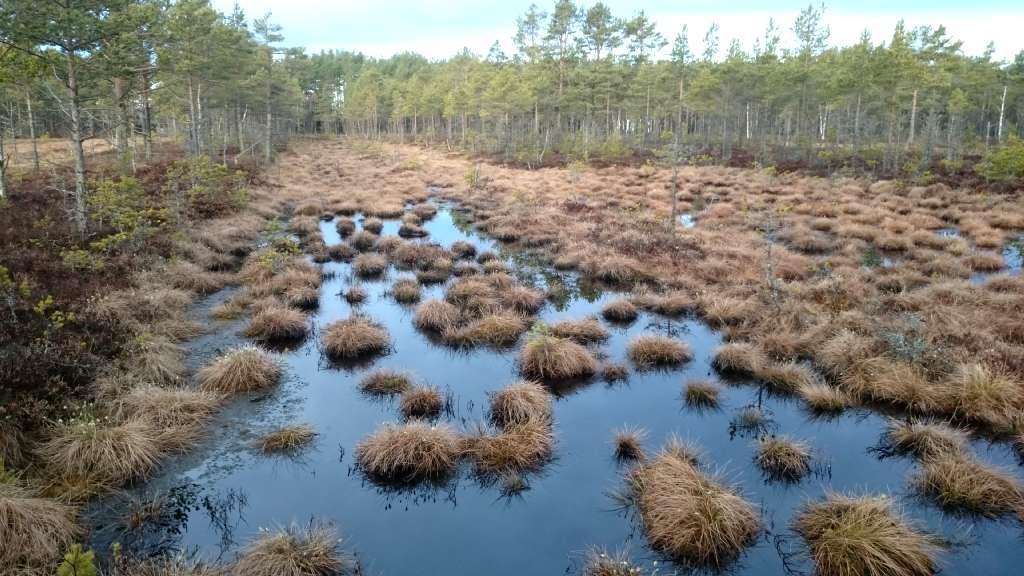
244	369
294	551
407	453
653	350
547	357
848	536
354	338
688	515
287	438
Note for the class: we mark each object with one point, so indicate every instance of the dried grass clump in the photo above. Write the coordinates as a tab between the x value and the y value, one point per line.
583	331
410	453
176	413
341	252
363	240
422	402
463	249
501	329
689	516
865	536
287	439
614	372
958	482
894	382
374	225
294	551
702	394
436	316
655	350
277	323
355	294
345	226
739	358
354	338
981	394
824	399
384	382
424	211
548	357
629	443
243	369
521	403
101	453
783	459
923	438
34	531
410	230
788	377
517	448
369	264
406	291
523	300
620	310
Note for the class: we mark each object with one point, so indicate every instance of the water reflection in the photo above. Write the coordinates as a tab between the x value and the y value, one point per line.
539	522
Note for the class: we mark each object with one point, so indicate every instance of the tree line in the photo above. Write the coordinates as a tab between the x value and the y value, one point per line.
583	84
586	83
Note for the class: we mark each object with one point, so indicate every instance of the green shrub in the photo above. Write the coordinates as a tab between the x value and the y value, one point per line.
78	563
200	187
1004	164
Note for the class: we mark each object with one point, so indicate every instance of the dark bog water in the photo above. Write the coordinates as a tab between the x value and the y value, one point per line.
225	492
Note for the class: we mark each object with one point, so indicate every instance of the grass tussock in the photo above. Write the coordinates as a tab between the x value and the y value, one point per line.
355	294
788	377
548	357
702	394
981	394
521	403
688	515
294	551
523	300
422	402
739	358
821	398
463	249
354	338
620	310
368	265
436	316
35	531
783	459
614	372
655	350
408	453
865	536
959	483
177	414
385	382
583	331
923	439
500	329
516	448
287	439
100	452
277	323
406	291
363	240
629	443
244	369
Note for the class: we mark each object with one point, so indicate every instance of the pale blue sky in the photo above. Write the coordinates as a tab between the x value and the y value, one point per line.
440	28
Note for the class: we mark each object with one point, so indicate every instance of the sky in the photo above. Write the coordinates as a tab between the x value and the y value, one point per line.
440	28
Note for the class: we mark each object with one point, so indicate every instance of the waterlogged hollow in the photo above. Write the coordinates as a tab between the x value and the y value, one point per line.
217	498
